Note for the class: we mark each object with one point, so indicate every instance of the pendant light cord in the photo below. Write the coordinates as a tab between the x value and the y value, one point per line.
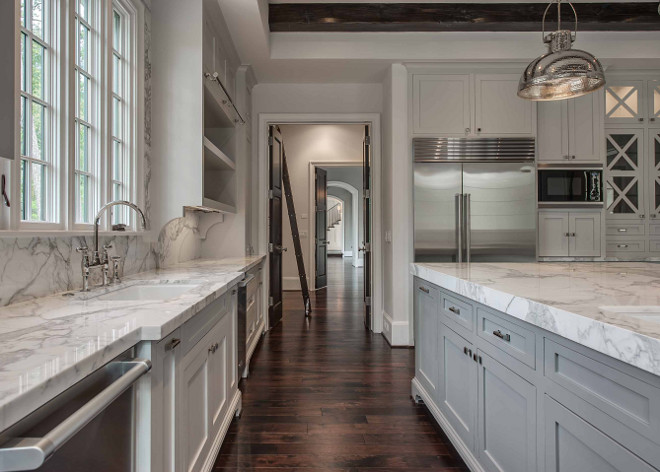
558	2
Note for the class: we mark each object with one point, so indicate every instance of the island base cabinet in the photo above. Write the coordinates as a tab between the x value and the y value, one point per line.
457	394
426	326
507	419
572	444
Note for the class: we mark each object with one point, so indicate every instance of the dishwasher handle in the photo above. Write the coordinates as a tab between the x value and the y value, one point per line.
31	453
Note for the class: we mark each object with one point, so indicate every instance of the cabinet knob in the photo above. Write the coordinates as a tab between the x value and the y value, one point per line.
651	119
572	157
478	130
622	246
467	130
641	217
641	119
172	344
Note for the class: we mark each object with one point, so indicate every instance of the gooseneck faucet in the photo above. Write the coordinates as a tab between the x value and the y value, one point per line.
96	260
97	221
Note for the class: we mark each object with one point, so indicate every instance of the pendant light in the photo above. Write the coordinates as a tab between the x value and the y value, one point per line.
562	72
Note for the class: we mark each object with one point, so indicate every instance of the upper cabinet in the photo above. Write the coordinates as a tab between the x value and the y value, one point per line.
571	130
470	105
632	102
654	102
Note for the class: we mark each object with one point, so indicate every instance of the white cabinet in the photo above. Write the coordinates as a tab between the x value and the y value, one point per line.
195	389
426	346
470	105
499	110
575	234
457	386
507	418
625	102
571	130
441	104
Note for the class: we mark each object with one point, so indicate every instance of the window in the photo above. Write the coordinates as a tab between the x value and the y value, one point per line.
37	153
78	140
86	168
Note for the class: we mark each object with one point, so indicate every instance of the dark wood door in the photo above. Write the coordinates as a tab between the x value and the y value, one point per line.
366	244
321	228
276	150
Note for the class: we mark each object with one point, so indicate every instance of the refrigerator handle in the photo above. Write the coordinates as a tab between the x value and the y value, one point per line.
458	201
467	226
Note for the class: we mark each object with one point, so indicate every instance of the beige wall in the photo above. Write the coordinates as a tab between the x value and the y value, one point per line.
305	144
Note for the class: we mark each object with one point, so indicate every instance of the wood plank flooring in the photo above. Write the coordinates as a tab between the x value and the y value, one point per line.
326	395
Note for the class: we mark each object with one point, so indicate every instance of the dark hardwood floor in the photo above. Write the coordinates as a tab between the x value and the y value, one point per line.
324	394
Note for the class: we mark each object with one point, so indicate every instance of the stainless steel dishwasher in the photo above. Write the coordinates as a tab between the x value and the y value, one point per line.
89	427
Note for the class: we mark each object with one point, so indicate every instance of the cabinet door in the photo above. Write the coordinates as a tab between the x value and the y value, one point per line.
219	370
457	392
441	104
624	174
426	341
572	444
507	419
653	101
585	232
585	128
192	422
499	110
553	230
653	176
624	102
552	139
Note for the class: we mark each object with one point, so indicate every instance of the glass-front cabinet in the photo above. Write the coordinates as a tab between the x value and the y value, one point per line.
632	168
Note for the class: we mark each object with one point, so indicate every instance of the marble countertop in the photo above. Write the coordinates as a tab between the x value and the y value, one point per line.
48	344
611	307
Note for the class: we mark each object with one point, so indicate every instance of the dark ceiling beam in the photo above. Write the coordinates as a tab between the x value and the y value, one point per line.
400	17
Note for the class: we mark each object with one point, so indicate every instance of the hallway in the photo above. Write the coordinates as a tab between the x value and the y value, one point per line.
324	394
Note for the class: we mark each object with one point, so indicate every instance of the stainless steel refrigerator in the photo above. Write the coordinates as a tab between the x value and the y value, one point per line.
474	200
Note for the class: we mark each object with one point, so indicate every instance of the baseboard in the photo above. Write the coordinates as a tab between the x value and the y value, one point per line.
235	409
292	283
396	332
468	456
357	262
348	253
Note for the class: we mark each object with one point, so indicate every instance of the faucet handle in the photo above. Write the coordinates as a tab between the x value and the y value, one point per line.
107	246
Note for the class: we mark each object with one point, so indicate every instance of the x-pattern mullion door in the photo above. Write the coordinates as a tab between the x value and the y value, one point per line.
624	174
654	173
624	102
654	102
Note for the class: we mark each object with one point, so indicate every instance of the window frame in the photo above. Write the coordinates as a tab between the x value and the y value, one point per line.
52	98
61	139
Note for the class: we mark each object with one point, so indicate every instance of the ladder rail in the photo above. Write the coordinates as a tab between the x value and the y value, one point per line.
296	235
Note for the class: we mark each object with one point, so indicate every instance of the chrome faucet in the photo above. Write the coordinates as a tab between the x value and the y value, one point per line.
102	260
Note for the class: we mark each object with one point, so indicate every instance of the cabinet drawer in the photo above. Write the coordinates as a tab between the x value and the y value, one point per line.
625	246
654	230
515	340
625	229
200	324
654	245
457	312
621	396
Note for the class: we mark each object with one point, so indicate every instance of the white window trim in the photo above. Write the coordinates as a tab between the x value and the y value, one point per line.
62	129
54	132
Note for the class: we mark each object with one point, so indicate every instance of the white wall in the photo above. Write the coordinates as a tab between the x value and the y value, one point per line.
305	144
397	209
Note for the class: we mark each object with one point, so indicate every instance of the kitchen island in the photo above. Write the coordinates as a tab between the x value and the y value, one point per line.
542	366
167	317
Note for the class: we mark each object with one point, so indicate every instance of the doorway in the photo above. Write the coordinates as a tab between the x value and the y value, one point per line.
351	250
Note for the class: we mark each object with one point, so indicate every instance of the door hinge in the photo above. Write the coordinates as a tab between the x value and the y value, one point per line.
270	301
367	247
271	247
367	140
367	193
271	194
270	140
367	301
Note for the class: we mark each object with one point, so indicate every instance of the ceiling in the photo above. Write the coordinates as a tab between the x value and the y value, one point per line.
363	57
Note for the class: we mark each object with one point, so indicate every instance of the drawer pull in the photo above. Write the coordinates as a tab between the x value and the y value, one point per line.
424	289
623	230
453	309
172	344
499	334
622	246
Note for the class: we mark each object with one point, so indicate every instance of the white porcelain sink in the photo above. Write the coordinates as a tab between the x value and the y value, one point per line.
651	313
147	292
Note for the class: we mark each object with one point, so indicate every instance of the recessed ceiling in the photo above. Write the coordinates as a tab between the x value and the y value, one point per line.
456	16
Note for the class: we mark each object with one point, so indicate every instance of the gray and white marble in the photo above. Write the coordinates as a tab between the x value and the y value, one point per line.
573	300
48	344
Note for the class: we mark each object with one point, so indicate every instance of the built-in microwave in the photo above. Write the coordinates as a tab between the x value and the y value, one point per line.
571	185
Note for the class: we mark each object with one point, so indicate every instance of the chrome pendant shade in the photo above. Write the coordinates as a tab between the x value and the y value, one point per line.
562	72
